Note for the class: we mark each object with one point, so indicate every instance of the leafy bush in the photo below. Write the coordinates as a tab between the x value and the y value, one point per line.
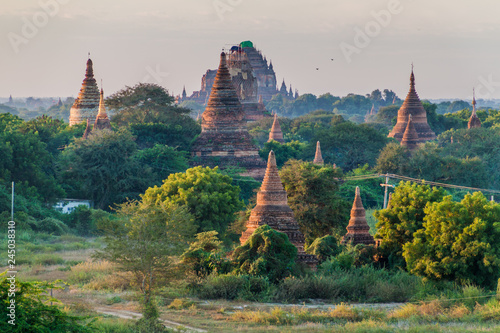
365	284
228	286
324	247
204	255
267	253
51	226
32	312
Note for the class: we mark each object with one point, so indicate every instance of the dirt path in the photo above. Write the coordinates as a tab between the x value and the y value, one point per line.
125	314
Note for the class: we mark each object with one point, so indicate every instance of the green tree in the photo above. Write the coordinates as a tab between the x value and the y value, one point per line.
312	192
348	145
163	160
324	247
205	256
143	240
283	152
397	223
267	253
24	158
32	313
208	194
150	112
101	168
458	242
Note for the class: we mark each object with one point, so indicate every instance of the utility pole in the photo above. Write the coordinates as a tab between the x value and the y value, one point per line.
386	185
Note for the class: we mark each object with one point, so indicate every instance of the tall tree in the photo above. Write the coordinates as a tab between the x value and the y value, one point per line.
101	168
208	194
397	223
458	241
143	240
312	192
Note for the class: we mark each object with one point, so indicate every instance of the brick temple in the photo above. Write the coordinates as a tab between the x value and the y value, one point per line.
412	105
272	209
86	105
224	140
358	229
276	134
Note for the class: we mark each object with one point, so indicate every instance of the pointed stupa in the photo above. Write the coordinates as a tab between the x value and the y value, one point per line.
88	130
184	95
86	104
372	111
412	105
102	120
410	138
318	159
474	121
10	100
276	134
59	103
224	140
358	229
272	209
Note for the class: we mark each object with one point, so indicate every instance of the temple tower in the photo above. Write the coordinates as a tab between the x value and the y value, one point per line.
272	209
224	140
86	104
318	158
410	137
474	121
102	120
276	134
412	105
358	229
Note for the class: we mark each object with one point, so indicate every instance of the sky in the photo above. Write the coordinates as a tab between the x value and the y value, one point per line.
454	45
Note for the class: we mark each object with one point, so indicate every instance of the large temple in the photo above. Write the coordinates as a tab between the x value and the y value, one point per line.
86	105
272	209
412	106
224	140
252	78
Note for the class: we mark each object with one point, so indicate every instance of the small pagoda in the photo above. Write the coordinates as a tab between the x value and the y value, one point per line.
474	121
276	134
358	229
272	209
412	106
102	120
318	158
410	137
224	140
86	105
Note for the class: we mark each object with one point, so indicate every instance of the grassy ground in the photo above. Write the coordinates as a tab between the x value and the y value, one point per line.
94	286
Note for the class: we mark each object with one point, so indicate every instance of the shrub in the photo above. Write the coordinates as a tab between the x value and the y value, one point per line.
230	287
324	247
52	226
266	253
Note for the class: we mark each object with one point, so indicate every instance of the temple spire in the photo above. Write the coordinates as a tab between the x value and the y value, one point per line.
276	134
102	120
318	158
474	121
358	229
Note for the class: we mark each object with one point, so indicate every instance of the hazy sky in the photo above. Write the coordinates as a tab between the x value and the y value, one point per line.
454	44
